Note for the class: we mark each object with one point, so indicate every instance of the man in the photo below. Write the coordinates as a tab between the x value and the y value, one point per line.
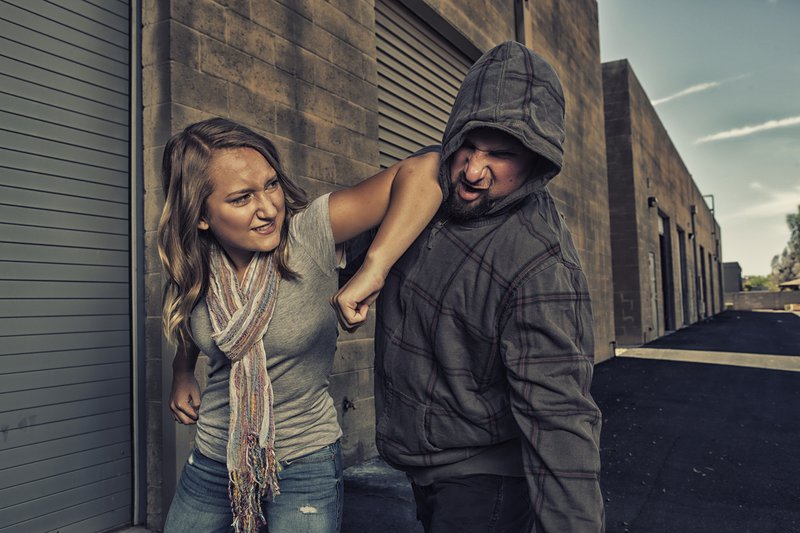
484	345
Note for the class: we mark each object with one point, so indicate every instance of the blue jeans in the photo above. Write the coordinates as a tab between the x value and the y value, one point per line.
310	499
475	504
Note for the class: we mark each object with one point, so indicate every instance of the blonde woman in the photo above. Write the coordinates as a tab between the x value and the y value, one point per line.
251	266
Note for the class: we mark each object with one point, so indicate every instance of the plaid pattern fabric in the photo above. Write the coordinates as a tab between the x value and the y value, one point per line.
484	329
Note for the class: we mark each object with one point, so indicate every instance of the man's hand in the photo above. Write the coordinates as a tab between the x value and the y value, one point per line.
352	301
184	398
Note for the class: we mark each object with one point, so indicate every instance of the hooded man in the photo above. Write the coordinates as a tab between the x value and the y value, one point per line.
484	344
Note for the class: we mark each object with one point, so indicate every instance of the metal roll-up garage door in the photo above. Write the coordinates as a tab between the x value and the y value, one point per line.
65	349
419	73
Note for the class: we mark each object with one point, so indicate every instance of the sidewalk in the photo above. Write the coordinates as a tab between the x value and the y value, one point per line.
687	446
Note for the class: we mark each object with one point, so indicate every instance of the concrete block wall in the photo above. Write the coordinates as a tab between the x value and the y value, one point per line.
644	164
759	300
496	23
567	35
622	201
304	74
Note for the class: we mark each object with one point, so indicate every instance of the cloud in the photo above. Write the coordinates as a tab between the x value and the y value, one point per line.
778	204
697	89
757	186
750	130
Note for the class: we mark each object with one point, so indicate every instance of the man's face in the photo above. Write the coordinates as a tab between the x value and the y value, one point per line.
489	166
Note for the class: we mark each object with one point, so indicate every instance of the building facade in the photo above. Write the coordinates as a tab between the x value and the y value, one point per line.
91	92
343	88
732	277
667	261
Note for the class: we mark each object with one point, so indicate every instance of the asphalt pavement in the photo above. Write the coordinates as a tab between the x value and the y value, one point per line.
701	433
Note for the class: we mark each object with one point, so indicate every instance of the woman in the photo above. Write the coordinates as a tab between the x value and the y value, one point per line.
250	266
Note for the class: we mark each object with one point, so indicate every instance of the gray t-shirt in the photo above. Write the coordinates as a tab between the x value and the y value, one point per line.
300	345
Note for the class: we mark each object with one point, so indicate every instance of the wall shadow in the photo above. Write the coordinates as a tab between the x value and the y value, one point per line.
762	332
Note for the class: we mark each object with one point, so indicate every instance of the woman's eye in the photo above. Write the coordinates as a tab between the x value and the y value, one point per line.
272	185
241	200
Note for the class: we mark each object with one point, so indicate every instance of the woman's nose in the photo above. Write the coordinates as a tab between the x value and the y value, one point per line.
265	208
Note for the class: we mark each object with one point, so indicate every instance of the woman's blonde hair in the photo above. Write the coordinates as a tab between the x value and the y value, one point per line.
183	248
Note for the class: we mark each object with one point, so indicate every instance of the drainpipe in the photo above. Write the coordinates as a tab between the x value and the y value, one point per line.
693	211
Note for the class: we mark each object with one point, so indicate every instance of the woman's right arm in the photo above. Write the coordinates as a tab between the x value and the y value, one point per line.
402	199
184	399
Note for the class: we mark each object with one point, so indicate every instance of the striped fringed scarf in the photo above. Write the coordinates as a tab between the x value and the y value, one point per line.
240	315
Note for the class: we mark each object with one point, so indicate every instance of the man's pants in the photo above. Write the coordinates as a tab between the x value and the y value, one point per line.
480	503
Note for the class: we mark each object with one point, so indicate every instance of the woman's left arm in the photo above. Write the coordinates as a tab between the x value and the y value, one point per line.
402	199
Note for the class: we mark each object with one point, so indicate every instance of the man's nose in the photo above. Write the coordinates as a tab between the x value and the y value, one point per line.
476	166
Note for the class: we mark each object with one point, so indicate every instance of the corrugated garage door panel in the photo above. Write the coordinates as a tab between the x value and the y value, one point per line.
419	73
65	355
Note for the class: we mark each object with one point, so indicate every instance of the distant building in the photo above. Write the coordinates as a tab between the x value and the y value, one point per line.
665	242
793	285
732	277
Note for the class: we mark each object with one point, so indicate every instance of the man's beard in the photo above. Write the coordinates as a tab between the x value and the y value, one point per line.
461	211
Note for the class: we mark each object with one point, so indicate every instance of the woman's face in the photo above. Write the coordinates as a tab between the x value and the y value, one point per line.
246	210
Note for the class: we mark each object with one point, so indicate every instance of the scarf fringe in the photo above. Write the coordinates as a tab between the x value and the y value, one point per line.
247	487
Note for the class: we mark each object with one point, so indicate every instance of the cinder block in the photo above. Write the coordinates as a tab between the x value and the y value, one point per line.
155	43
344	27
295	125
153	378
154	11
354	354
284	21
196	89
226	62
153	202
155	515
184	44
152	261
242	7
249	37
268	80
359	11
349	171
205	16
157	121
152	167
253	109
152	294
359	418
153	341
155	84
304	8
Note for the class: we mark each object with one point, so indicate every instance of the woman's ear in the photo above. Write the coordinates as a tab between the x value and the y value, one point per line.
203	225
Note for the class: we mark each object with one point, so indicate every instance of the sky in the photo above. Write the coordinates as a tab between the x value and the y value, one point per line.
724	78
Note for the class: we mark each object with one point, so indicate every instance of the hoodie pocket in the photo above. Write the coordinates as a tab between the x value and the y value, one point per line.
453	430
404	426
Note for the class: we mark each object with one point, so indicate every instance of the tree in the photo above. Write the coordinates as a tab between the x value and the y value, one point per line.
759	283
786	266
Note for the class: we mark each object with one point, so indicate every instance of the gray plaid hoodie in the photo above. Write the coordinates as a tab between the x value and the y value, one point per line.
484	346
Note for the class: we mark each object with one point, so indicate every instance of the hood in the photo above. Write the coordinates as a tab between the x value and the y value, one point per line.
512	89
